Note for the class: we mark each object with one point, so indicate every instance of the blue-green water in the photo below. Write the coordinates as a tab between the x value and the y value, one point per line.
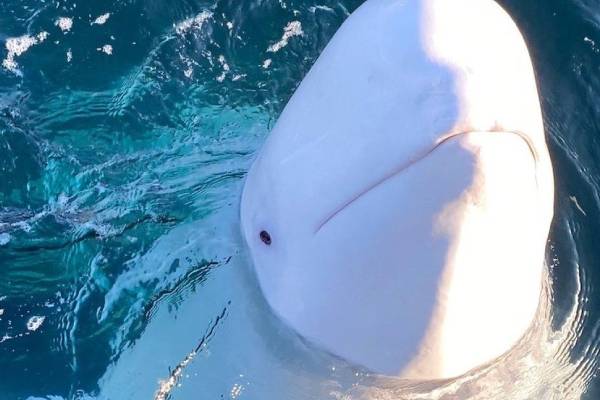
126	130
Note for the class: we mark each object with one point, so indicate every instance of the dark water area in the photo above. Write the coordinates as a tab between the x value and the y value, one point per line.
562	37
126	131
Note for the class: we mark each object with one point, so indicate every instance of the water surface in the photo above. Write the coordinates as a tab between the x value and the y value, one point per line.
126	129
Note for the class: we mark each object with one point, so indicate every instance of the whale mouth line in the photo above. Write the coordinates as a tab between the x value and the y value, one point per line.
405	166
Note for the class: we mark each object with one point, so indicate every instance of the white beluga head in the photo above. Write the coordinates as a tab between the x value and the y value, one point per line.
397	215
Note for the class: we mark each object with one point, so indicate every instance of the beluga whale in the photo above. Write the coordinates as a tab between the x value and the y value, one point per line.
397	215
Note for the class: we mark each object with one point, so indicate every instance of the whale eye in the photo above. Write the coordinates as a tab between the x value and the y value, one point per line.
265	237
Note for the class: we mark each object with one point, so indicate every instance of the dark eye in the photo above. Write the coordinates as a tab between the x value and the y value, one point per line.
265	237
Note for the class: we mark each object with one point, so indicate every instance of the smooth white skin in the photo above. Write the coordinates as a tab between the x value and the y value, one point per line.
408	191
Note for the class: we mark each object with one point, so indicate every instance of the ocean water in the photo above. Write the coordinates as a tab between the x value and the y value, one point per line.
126	130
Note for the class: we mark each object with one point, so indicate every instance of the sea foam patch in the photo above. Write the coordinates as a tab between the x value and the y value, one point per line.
106	49
101	20
16	46
192	23
64	23
293	28
34	323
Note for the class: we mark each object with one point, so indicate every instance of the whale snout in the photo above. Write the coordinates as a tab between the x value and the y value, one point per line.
405	189
375	283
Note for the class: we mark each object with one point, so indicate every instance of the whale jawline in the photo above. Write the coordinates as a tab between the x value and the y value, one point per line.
405	166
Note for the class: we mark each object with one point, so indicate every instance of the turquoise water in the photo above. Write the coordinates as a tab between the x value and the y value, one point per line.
126	129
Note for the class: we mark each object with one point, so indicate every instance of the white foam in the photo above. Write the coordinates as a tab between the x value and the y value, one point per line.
16	46
592	44
35	322
101	20
225	66
313	9
223	63
192	23
267	63
69	55
64	23
106	49
293	28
